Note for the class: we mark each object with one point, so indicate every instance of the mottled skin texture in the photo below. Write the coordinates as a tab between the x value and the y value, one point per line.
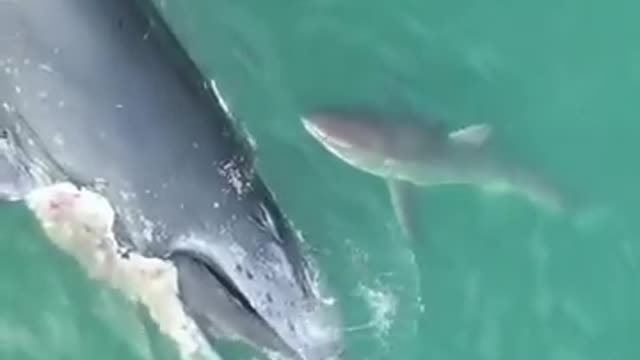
100	93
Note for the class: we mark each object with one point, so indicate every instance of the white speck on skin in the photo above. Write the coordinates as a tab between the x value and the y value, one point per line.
147	232
195	145
216	205
56	50
125	196
18	90
60	104
100	183
119	106
235	177
58	140
45	67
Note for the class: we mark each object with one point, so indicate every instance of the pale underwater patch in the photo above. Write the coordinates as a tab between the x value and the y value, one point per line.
80	223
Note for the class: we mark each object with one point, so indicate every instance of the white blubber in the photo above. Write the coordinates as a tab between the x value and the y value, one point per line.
80	223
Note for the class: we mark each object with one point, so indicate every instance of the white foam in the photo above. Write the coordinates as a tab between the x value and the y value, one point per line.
383	304
79	222
216	90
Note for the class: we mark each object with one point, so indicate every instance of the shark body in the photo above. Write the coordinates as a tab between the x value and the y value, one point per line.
407	155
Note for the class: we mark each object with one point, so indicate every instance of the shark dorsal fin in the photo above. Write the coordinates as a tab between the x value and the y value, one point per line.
476	134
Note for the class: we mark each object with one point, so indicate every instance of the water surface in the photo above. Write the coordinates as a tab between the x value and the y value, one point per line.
495	277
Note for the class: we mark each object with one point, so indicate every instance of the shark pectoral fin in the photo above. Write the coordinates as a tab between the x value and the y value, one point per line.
477	134
402	200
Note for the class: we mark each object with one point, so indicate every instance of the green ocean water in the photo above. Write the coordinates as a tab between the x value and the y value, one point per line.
494	277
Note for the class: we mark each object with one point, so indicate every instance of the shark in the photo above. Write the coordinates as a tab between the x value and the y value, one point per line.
409	153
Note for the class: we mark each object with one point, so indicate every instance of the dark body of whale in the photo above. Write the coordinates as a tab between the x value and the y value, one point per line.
101	93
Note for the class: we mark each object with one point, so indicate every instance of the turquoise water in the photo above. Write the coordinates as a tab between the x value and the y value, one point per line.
494	277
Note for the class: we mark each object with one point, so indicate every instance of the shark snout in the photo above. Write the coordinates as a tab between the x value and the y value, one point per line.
313	128
338	133
329	132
